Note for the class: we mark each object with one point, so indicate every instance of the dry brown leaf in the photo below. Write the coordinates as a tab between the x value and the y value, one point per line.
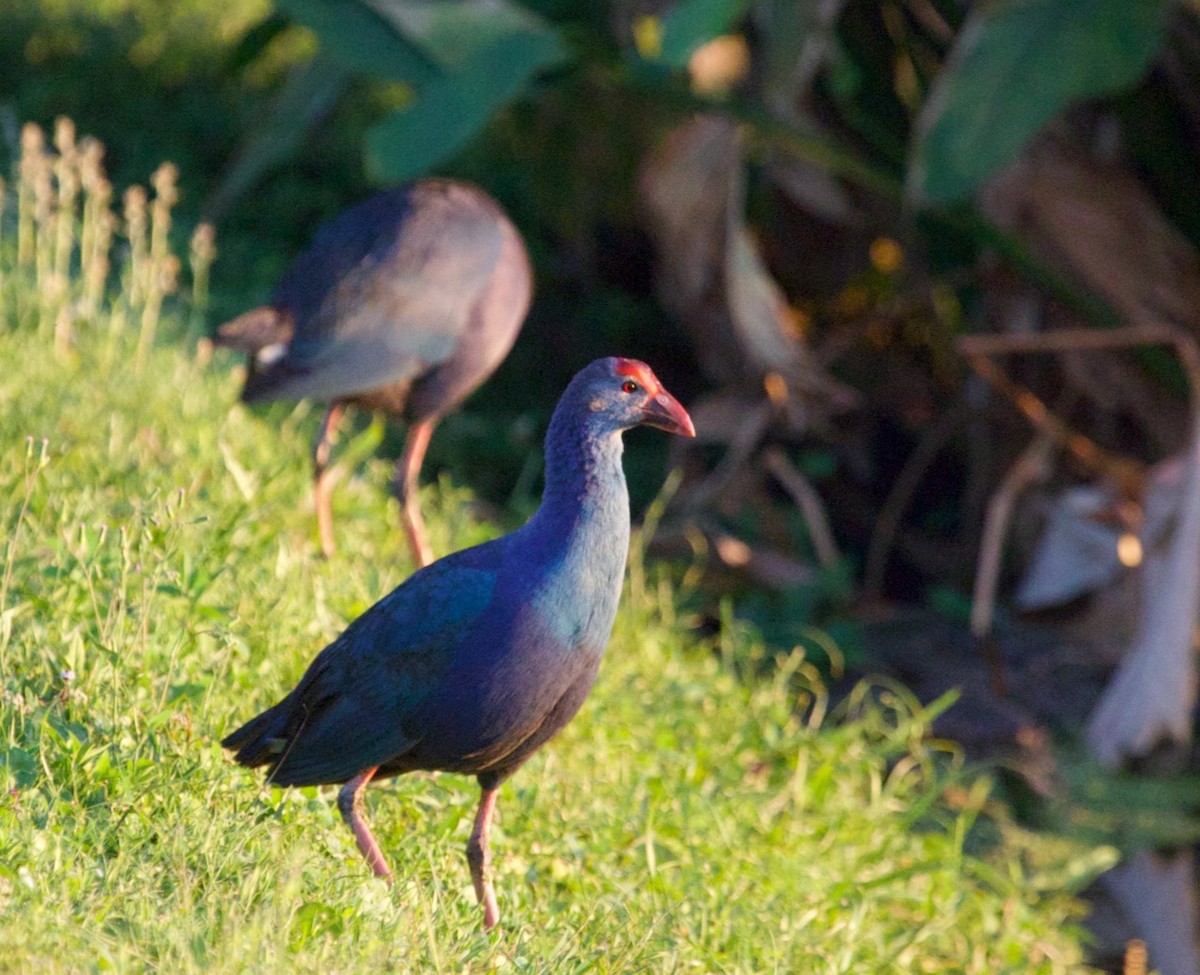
813	189
709	272
1152	695
1095	222
684	184
757	306
1076	553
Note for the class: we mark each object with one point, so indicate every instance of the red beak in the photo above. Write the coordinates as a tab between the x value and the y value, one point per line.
663	411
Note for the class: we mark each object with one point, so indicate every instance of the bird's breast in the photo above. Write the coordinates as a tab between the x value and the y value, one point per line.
541	641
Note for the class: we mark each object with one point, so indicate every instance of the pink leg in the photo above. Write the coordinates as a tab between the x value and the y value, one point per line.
323	476
404	484
350	806
479	856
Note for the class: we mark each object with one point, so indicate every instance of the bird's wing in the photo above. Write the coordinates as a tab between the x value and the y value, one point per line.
409	275
353	709
372	348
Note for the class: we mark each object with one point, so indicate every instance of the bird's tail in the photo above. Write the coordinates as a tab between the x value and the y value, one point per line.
263	739
254	330
263	334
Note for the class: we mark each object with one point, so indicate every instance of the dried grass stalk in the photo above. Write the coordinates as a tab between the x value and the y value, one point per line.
68	240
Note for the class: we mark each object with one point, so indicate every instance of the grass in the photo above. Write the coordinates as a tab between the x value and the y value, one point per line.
159	582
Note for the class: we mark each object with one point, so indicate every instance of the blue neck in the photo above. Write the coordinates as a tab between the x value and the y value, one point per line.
579	538
585	498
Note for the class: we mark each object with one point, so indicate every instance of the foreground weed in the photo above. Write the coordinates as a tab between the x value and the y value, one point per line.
70	263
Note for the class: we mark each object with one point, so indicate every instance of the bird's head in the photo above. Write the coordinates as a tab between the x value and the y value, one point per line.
624	393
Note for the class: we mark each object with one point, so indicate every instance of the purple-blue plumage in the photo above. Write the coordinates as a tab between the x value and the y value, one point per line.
404	303
477	660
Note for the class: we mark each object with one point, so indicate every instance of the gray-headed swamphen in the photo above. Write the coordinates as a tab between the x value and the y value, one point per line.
404	303
476	661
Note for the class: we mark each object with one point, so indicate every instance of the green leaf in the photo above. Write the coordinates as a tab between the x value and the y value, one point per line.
23	766
1016	65
356	36
452	31
690	24
452	108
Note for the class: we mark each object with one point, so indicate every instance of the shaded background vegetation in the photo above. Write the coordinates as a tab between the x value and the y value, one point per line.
275	126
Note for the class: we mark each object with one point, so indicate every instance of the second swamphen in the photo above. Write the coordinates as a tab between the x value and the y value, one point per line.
404	303
476	661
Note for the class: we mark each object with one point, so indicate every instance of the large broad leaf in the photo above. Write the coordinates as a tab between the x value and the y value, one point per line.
456	105
355	35
1015	65
452	31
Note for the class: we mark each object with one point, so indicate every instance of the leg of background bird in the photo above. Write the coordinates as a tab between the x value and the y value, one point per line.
479	856
349	802
404	484
323	478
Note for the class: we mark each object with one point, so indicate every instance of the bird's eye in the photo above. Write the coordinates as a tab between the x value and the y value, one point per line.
629	386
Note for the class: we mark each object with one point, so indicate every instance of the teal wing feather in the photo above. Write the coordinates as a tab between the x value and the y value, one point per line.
353	708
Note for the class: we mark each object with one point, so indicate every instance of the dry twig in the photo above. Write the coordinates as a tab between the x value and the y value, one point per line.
745	441
810	504
1031	466
1127	474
